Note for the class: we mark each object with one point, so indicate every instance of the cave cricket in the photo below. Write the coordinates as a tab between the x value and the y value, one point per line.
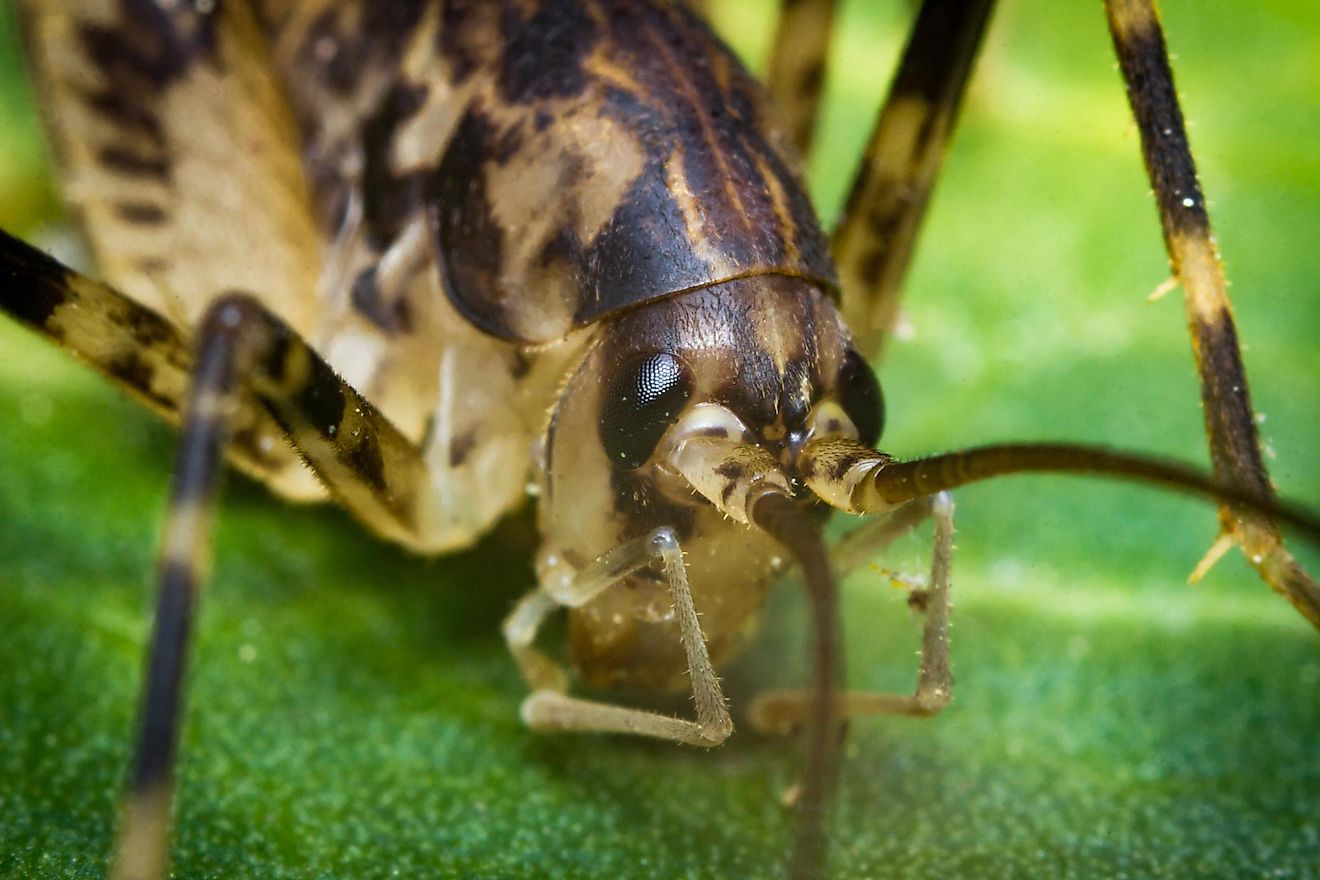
380	252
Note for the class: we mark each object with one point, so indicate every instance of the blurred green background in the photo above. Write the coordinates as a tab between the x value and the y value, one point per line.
354	713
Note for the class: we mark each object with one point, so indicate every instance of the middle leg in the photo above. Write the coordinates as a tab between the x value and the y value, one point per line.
874	240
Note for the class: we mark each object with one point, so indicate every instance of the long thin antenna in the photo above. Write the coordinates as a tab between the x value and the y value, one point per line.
785	521
852	477
901	481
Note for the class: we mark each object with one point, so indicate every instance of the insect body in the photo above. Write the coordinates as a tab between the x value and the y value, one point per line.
709	383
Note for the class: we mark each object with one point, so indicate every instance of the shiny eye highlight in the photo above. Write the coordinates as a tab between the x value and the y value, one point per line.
859	395
643	399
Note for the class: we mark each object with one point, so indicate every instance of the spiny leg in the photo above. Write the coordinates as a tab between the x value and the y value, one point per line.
796	75
245	353
1229	417
874	240
245	359
784	711
224	353
362	458
549	708
136	348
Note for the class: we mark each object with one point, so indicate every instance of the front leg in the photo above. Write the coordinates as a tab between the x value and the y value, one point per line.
784	711
550	708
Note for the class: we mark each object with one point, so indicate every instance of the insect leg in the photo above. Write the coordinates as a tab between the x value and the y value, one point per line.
549	708
520	629
874	240
868	540
245	358
245	355
784	711
136	348
796	74
224	353
1229	417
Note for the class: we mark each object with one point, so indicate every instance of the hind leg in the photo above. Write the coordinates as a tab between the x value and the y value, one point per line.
245	372
1229	418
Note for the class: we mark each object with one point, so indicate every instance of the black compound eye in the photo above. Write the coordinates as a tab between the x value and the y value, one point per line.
860	397
643	399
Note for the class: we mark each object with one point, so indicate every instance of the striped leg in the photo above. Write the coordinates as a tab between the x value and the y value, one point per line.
245	355
797	65
873	242
1229	419
247	370
137	349
223	353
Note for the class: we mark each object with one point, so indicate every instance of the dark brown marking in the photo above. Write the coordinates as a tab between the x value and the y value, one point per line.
523	360
365	461
459	39
842	464
32	285
508	143
461	446
154	47
388	199
321	399
141	213
151	265
1154	100
368	299
131	163
156	736
544	54
813	77
641	507
147	329
136	372
732	470
379	33
120	110
1227	405
637	250
470	239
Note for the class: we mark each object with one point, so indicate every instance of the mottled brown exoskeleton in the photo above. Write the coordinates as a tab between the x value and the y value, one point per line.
482	244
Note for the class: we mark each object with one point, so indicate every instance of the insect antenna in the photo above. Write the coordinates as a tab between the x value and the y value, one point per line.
782	518
855	478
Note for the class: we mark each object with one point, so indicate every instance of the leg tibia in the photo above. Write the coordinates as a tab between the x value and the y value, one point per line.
550	709
784	711
1229	417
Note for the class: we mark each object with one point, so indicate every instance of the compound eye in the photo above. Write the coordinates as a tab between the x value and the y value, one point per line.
859	395
642	400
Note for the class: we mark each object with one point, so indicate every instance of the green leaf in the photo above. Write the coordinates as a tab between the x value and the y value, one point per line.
353	713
